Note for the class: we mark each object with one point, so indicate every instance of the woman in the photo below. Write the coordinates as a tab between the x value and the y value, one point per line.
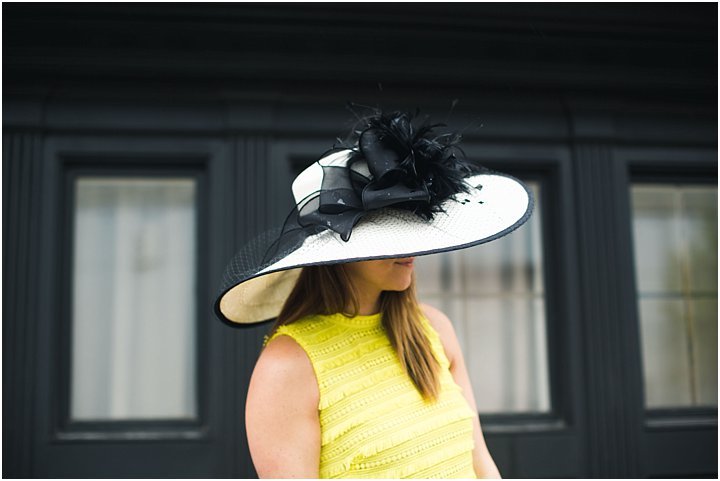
357	379
282	407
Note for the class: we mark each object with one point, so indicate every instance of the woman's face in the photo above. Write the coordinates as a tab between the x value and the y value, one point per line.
382	274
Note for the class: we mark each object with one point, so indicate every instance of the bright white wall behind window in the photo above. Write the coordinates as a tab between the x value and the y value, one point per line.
133	331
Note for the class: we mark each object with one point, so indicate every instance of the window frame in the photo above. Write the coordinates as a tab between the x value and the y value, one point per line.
74	166
665	442
558	416
670	173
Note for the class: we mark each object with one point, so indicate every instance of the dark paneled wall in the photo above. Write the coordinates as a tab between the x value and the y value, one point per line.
21	216
579	95
612	378
260	51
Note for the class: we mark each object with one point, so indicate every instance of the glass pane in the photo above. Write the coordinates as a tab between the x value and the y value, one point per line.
133	316
705	330
508	355
675	243
494	295
700	228
658	262
665	354
438	274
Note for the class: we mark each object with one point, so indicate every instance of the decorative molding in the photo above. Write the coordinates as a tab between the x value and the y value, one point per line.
612	390
22	165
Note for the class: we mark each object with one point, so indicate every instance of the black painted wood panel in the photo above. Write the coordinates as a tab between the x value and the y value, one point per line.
21	202
612	392
488	46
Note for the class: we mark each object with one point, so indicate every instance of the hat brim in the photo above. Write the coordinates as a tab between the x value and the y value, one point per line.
495	205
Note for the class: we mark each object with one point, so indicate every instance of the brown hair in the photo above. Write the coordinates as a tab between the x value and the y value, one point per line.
329	289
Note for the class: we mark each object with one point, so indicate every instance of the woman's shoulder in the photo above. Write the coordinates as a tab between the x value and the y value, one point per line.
285	366
438	320
281	410
444	328
283	353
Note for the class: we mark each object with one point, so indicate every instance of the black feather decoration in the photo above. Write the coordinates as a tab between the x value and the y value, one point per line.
412	155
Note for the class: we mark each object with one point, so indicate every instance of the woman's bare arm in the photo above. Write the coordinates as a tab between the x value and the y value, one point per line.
281	414
482	460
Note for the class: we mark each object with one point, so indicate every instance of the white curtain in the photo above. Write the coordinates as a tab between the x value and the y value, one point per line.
133	317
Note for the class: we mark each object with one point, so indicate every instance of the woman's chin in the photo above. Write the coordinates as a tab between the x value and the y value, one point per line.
400	286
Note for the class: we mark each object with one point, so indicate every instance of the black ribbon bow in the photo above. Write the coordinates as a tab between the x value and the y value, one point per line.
346	195
409	169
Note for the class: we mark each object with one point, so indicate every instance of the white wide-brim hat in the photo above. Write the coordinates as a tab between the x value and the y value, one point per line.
486	205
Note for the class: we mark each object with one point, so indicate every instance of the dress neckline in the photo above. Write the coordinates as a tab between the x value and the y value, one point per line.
369	320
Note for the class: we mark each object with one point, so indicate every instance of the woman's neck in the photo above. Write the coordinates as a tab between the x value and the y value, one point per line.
368	300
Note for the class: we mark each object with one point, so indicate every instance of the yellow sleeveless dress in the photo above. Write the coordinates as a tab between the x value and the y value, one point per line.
374	422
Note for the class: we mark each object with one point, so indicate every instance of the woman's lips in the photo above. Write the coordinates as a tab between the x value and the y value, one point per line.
406	263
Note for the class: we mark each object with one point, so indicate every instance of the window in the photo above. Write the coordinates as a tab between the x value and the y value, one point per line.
133	304
495	295
675	245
